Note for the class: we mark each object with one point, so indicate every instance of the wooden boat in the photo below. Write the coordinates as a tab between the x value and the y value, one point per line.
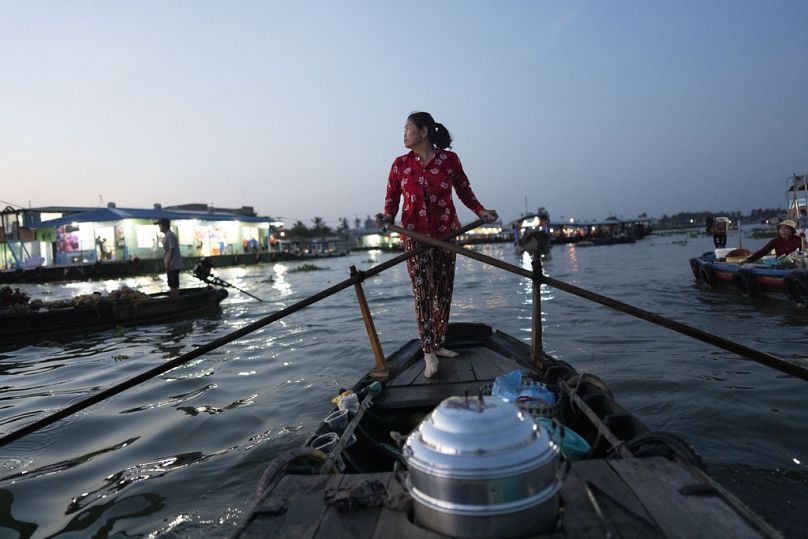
751	280
24	322
787	276
632	482
422	457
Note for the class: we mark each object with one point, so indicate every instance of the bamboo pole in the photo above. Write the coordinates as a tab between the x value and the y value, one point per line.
382	370
536	348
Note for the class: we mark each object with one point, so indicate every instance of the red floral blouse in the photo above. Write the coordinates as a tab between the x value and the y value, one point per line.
427	192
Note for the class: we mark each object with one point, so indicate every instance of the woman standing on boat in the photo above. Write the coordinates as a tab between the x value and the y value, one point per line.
424	177
786	242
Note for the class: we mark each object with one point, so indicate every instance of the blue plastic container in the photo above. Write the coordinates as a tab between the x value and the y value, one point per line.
572	445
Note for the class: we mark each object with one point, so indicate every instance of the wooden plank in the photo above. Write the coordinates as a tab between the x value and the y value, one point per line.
457	369
505	363
358	523
409	375
484	370
662	486
422	395
598	502
293	508
409	353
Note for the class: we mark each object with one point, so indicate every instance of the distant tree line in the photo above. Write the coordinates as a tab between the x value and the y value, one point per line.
320	229
677	220
691	219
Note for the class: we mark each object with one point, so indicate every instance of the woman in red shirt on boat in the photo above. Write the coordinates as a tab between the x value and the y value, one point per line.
424	178
786	242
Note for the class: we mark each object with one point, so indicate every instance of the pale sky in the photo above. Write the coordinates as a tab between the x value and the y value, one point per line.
297	108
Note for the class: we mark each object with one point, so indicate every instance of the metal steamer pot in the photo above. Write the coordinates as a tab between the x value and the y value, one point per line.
481	467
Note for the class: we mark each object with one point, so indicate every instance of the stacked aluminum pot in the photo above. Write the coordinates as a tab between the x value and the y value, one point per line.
480	467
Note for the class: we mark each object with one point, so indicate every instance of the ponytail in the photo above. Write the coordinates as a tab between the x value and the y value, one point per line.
438	134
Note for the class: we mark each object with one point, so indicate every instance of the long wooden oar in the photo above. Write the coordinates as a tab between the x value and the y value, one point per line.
184	358
749	353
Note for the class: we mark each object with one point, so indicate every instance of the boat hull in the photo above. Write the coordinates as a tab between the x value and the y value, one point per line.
750	280
18	324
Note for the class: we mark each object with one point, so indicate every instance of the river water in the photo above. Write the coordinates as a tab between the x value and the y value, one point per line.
179	455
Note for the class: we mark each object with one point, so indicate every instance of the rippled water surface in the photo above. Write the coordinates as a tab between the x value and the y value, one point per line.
180	455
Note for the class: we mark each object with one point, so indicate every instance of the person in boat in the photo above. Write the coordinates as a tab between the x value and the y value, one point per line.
172	260
424	177
787	241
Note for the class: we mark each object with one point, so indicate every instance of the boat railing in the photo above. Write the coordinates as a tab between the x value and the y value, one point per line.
382	369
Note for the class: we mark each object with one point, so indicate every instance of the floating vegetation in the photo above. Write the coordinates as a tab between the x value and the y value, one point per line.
307	267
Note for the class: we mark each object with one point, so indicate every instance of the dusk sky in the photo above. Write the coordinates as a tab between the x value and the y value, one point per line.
297	108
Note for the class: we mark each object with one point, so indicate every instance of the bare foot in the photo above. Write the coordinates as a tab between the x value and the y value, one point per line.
444	352
431	361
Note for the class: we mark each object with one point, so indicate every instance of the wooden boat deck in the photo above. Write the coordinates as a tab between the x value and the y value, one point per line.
641	498
474	367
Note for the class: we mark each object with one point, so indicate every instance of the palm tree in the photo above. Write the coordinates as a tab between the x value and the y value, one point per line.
299	229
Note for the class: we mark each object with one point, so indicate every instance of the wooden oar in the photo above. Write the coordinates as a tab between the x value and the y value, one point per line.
744	351
184	358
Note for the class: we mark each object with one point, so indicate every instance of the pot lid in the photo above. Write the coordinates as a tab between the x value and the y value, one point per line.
478	433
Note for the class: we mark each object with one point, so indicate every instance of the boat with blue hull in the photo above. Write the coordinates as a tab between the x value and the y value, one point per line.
785	275
750	280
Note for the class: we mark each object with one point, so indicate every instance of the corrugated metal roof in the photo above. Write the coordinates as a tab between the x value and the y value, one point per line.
101	215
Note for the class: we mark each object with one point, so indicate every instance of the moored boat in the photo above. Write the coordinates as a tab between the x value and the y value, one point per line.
94	312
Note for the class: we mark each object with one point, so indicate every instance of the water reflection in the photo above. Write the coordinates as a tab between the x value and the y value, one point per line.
123	508
196	410
65	464
279	281
7	520
118	481
173	400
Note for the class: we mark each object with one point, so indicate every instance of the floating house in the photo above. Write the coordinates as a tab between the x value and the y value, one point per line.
65	236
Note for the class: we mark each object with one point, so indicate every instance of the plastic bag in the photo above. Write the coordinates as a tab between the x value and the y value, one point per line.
508	386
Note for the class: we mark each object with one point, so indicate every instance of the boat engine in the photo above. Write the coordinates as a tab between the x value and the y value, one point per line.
481	467
202	269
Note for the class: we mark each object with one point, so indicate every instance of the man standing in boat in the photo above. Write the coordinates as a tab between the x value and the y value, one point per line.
425	178
787	241
171	256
